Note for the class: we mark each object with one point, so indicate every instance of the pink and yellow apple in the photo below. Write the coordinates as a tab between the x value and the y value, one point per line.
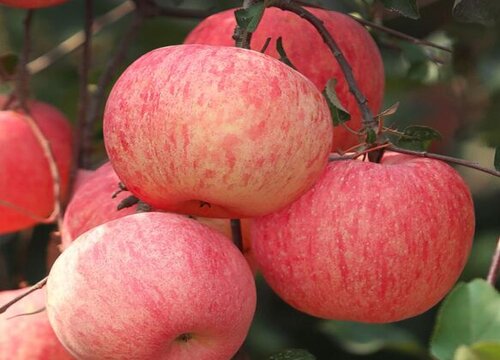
31	4
25	178
28	336
216	131
151	286
307	51
369	242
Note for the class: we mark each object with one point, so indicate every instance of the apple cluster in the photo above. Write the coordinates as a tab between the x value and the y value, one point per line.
205	132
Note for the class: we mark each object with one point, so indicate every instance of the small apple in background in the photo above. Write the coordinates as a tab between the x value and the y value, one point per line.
307	51
369	242
92	205
25	178
216	131
28	337
31	4
151	286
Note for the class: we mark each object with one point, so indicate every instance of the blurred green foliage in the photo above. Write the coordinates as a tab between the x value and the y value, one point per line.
459	95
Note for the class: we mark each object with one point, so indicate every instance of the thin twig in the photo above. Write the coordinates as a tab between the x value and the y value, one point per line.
83	101
447	159
76	40
236	233
495	266
32	289
368	119
22	71
97	97
399	34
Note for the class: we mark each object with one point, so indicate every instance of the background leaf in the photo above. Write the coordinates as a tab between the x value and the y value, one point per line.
293	354
497	158
479	351
470	314
407	8
365	339
476	11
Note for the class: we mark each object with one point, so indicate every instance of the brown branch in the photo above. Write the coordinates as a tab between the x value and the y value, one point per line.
495	266
399	34
32	289
97	98
445	158
368	120
236	233
22	71
83	101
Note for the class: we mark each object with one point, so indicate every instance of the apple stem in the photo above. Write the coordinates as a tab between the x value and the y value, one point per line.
368	119
242	37
32	289
495	266
236	233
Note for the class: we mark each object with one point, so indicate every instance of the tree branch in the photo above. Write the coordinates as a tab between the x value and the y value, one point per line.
495	266
368	120
236	233
32	289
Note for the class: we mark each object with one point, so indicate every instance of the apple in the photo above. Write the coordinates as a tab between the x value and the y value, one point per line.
25	179
151	286
92	205
28	336
31	4
216	131
310	55
370	242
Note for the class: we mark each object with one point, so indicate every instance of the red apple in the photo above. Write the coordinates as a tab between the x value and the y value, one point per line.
216	131
151	286
25	178
369	242
31	4
92	205
28	336
307	51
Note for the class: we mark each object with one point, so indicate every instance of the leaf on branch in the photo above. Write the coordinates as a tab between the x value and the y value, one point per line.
248	19
418	137
407	8
8	65
483	12
337	110
283	56
371	136
391	110
496	162
293	354
366	339
469	315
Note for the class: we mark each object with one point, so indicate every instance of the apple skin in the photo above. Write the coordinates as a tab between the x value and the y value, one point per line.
369	242
31	336
31	4
91	205
173	276
310	55
25	180
190	125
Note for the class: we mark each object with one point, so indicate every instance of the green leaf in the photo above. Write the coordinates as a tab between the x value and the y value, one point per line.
283	56
469	314
293	354
338	112
407	8
365	339
497	158
418	138
476	11
8	64
479	351
248	19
